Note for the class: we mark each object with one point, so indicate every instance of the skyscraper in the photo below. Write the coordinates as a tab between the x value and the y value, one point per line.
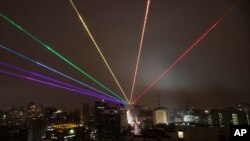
160	116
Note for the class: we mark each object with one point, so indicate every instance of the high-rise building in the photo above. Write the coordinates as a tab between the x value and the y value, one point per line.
35	122
36	129
99	107
145	117
35	111
160	116
107	121
14	133
12	117
85	115
124	120
50	116
226	117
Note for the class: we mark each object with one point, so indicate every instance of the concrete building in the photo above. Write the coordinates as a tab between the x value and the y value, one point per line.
145	118
160	116
224	118
85	114
107	121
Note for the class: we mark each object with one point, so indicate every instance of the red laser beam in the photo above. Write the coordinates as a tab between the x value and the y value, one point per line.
140	47
168	69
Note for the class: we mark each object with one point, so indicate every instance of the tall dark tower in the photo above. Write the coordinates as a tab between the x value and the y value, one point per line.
85	114
158	97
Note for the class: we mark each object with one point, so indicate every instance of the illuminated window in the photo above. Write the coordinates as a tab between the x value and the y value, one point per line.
248	120
221	120
235	119
210	120
180	134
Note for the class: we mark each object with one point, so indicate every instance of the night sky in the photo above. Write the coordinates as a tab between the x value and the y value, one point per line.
214	74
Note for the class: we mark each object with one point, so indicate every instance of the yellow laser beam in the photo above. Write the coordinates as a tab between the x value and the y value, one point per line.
97	47
140	48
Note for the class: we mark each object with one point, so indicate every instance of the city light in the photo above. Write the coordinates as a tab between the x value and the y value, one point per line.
65	126
180	134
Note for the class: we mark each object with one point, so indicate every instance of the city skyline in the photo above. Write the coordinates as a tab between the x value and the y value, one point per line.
213	74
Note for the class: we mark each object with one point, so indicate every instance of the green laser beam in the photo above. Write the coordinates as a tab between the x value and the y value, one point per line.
59	55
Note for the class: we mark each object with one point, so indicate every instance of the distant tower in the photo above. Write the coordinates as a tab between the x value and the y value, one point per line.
160	114
158	97
85	114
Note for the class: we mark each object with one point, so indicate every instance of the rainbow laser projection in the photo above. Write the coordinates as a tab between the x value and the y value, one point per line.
58	86
54	80
58	54
53	70
168	69
98	48
139	52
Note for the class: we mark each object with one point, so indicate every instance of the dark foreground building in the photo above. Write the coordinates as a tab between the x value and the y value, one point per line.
107	121
16	133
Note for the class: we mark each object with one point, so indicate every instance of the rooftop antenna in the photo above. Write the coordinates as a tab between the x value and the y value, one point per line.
158	96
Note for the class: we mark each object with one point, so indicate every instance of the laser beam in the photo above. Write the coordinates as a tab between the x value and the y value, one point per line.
58	86
139	52
53	70
50	79
58	54
98	48
168	69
